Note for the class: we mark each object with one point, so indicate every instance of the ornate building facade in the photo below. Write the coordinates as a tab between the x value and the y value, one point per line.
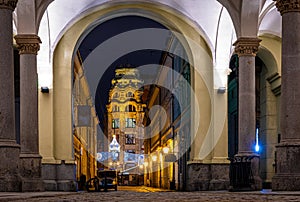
125	116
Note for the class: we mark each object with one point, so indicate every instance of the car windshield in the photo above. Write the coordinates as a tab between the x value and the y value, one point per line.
111	174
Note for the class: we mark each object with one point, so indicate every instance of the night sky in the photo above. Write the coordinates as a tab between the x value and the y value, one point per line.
107	30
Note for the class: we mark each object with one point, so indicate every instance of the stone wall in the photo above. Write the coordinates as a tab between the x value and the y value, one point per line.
203	177
59	177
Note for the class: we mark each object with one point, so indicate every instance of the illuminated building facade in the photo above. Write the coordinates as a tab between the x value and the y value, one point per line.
125	115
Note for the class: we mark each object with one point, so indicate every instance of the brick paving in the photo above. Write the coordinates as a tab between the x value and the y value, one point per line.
133	194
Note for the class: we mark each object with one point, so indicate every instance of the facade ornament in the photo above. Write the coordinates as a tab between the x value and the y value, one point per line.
247	46
28	43
8	4
285	6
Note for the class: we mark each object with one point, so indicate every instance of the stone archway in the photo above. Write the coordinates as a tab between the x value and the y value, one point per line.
270	90
58	159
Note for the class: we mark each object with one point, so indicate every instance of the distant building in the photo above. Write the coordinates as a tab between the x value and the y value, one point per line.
125	115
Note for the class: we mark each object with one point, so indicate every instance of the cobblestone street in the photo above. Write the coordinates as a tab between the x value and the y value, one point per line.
151	194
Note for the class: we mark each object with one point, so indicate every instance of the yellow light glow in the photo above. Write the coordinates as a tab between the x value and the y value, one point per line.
154	158
145	164
166	150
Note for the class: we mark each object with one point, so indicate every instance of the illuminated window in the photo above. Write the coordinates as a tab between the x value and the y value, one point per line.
130	139
115	123
130	122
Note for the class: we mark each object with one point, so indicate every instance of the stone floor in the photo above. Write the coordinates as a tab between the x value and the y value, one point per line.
132	194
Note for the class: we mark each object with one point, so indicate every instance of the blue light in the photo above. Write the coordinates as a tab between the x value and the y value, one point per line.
257	147
256	141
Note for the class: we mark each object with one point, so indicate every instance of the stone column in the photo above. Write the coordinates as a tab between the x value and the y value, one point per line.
9	149
287	175
246	48
30	160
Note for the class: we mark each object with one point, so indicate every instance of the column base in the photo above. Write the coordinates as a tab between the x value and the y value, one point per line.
207	176
30	170
244	173
10	184
59	177
287	177
10	180
32	185
286	182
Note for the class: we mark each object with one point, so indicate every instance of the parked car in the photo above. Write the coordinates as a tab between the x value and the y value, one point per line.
108	179
105	179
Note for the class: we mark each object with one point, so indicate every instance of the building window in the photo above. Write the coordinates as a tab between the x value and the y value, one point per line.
130	122
130	139
115	123
116	95
129	94
116	108
130	108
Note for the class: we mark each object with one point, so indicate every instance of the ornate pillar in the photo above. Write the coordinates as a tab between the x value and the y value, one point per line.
246	48
9	149
287	176
30	160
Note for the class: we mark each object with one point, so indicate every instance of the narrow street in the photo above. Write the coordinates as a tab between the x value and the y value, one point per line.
142	193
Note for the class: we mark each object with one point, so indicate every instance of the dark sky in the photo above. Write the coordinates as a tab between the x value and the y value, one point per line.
107	30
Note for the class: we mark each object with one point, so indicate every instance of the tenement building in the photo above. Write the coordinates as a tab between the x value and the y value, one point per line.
125	113
212	103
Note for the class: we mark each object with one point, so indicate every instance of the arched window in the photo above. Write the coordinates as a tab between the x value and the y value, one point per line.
129	94
116	95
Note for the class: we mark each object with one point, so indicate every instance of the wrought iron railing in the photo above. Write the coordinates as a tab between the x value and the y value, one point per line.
241	175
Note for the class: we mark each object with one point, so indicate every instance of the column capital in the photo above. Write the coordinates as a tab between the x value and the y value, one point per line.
8	4
246	46
285	6
28	43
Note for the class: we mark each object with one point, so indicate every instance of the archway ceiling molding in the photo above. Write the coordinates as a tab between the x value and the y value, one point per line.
28	15
250	16
62	14
204	13
220	26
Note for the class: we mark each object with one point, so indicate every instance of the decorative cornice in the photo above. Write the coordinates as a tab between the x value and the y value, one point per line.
8	4
246	46
285	6
28	43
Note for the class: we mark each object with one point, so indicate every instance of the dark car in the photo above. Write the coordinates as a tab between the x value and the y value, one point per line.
108	179
105	179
